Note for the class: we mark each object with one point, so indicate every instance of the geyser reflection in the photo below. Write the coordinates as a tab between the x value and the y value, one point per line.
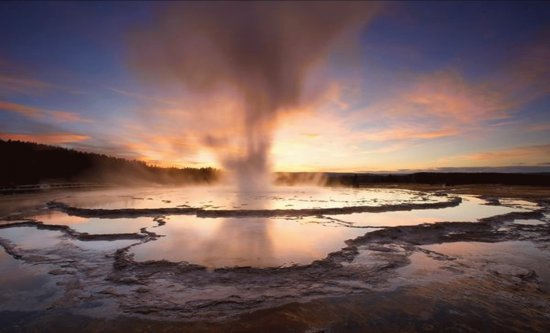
244	242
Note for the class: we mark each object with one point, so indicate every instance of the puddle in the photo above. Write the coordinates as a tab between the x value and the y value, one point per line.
30	238
522	254
471	209
24	287
96	225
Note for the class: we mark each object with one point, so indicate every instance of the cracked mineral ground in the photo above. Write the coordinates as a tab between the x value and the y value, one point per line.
292	259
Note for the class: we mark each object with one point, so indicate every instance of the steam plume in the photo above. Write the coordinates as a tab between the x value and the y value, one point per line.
260	53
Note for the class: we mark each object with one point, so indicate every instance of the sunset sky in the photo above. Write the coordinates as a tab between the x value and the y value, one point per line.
418	85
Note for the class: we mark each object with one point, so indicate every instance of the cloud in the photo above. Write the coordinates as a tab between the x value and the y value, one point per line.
517	153
36	113
46	138
144	97
529	155
409	133
20	85
15	84
540	127
27	111
525	75
439	104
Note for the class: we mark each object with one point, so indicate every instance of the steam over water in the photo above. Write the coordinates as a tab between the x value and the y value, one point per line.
258	55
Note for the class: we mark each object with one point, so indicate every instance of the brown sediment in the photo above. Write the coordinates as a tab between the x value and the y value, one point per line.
117	213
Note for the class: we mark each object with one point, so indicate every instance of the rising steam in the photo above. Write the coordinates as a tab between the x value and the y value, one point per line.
259	53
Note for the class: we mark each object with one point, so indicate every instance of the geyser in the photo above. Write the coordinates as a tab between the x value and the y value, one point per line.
258	53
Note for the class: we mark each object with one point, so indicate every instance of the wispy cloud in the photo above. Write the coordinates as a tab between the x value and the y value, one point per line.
144	97
409	133
521	155
535	151
12	84
42	114
436	105
540	127
46	138
27	111
22	85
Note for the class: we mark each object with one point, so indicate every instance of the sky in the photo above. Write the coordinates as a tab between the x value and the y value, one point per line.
404	86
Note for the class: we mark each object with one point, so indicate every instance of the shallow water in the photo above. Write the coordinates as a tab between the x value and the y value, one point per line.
23	286
94	225
470	210
97	280
282	197
29	237
246	241
258	242
523	254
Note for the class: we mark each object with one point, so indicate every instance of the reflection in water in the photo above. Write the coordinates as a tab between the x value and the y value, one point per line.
23	287
30	238
242	242
259	242
471	209
248	241
213	242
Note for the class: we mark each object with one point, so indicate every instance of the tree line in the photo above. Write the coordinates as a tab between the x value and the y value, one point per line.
33	163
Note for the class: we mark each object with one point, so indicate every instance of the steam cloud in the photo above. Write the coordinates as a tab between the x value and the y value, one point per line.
259	52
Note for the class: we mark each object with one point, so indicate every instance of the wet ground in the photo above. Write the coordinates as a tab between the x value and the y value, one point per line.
290	259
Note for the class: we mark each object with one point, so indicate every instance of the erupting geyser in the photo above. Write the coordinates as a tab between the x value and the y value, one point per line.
258	53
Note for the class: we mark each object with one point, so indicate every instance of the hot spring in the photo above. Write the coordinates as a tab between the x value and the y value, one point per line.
194	253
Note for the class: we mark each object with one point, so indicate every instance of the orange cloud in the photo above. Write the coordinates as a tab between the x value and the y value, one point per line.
48	138
518	154
444	98
16	84
523	155
409	133
144	97
24	110
39	113
539	127
22	85
67	117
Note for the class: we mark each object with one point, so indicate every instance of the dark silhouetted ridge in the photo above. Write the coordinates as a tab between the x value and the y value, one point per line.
32	163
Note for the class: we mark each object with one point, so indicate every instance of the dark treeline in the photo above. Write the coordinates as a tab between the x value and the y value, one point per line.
432	178
30	163
442	178
25	163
